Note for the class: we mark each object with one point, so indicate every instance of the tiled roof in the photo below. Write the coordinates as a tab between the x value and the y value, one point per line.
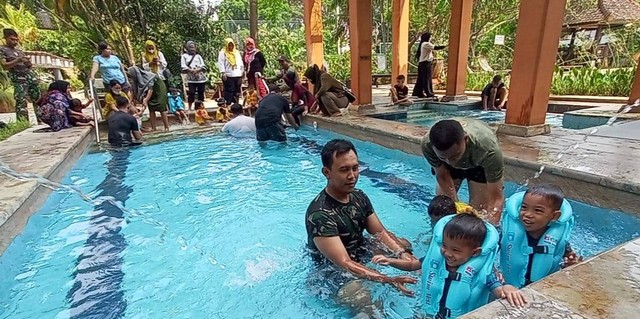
603	12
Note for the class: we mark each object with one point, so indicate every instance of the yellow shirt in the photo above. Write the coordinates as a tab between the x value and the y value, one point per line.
222	117
110	103
251	99
202	116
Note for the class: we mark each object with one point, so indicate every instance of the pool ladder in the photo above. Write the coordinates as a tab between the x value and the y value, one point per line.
96	107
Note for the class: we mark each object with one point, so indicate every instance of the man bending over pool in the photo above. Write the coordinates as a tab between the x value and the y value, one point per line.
338	216
460	149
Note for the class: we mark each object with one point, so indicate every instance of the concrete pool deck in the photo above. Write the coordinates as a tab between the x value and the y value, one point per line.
603	171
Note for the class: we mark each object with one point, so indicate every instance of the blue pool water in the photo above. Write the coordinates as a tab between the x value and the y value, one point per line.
429	118
214	228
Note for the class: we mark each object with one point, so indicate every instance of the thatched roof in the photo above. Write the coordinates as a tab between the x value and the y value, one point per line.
583	13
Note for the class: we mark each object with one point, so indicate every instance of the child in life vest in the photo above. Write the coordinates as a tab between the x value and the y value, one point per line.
535	235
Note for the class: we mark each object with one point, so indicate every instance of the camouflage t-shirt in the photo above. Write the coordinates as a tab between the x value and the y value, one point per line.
327	217
9	54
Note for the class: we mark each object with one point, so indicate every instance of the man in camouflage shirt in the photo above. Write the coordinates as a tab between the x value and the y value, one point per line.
338	216
18	66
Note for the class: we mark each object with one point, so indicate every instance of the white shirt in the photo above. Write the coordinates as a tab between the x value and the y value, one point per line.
426	52
197	63
162	64
225	66
241	126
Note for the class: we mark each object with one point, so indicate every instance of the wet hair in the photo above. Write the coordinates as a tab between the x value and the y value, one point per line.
400	77
552	193
113	83
497	78
102	46
121	101
236	109
445	134
441	206
9	33
467	227
198	104
337	147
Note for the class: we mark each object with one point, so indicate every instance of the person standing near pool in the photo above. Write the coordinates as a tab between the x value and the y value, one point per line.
18	67
110	67
337	218
459	149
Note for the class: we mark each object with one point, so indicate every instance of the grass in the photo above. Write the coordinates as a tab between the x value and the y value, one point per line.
13	128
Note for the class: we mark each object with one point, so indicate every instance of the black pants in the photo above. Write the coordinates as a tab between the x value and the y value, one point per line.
274	132
296	112
232	87
193	88
424	83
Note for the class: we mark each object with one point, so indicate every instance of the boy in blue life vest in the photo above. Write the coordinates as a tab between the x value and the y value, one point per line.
535	235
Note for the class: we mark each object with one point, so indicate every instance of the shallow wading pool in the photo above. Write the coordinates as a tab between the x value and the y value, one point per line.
214	228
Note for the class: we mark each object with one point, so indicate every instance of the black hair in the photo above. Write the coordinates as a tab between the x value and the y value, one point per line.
102	46
445	134
236	109
467	227
441	206
400	77
198	104
497	78
335	147
425	37
550	192
76	103
113	83
9	33
121	101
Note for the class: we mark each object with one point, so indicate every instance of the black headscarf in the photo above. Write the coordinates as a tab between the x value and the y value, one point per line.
313	74
425	37
60	86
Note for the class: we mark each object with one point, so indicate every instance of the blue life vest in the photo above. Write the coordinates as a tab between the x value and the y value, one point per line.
451	294
515	250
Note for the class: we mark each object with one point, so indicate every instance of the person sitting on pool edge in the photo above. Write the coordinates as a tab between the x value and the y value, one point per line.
459	149
400	92
122	125
536	229
338	216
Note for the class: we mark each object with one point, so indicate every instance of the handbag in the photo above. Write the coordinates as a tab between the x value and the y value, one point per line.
349	94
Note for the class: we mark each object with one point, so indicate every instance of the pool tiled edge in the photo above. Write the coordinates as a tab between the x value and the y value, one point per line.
46	154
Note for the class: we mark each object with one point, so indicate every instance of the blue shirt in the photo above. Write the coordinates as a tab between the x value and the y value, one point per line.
110	68
175	103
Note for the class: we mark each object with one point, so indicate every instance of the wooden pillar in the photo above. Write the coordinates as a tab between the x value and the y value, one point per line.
537	40
360	19
313	31
635	89
400	38
460	32
253	19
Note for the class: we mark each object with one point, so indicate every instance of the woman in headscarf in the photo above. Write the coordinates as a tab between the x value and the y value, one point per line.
232	68
193	66
109	66
329	92
254	61
424	55
151	91
153	60
54	106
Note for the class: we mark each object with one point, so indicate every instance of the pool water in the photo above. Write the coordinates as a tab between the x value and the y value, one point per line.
214	228
429	118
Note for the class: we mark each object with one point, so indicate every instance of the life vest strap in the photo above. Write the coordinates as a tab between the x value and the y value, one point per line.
445	312
541	249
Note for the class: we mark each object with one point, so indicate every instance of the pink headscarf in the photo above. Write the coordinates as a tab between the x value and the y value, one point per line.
249	55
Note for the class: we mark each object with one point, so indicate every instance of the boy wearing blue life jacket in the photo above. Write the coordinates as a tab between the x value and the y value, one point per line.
535	235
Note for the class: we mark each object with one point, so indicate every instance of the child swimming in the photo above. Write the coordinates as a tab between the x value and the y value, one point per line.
535	235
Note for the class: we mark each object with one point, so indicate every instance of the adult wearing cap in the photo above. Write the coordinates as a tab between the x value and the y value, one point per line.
232	68
287	73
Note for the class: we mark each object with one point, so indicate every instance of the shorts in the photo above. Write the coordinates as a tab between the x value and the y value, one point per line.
273	132
475	174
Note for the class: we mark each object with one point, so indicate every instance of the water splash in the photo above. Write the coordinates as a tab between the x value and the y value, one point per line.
626	109
129	212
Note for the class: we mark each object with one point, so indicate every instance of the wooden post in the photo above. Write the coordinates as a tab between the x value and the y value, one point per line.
400	39
253	19
461	11
360	19
635	89
537	40
313	31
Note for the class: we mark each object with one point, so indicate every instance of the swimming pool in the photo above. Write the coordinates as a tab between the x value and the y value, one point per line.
430	117
215	229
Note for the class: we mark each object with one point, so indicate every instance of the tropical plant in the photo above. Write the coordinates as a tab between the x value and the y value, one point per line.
7	101
22	21
13	128
591	81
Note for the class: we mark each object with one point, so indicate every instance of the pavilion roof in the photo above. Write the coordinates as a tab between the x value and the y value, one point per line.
583	13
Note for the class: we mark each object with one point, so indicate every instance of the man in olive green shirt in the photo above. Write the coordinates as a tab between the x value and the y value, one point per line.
460	149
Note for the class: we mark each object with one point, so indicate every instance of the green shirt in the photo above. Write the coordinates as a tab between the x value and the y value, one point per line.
482	150
327	217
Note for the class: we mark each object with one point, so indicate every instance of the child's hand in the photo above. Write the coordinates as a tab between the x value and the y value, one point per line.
513	295
571	259
381	260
